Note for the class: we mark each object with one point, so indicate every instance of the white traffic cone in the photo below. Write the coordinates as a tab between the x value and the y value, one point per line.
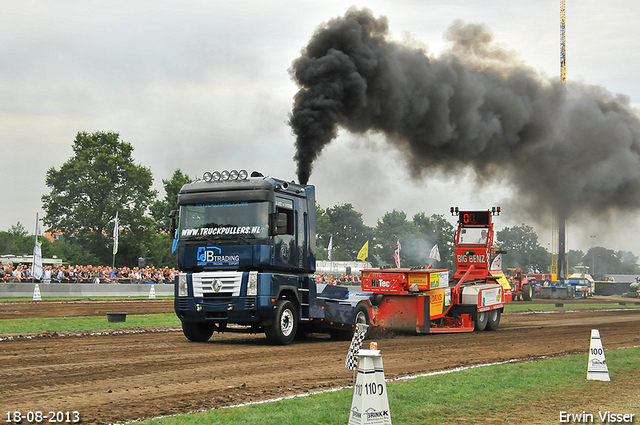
36	293
370	404
152	292
597	368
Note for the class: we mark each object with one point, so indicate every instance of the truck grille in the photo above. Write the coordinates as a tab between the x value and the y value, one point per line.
217	284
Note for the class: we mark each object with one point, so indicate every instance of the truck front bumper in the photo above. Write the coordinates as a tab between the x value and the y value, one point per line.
236	310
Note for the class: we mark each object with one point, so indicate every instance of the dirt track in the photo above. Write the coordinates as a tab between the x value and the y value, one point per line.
125	376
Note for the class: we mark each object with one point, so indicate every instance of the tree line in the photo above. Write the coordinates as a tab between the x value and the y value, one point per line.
102	179
345	228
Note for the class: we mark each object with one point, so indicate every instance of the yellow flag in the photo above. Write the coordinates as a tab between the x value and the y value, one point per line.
364	252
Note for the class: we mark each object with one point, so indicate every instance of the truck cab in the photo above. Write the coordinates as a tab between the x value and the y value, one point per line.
246	250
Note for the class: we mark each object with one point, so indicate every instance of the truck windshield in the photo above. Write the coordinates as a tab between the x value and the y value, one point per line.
224	221
472	235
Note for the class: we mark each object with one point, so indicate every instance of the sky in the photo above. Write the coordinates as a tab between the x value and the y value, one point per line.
205	85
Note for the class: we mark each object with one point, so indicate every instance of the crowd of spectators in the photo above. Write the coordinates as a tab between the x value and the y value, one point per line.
87	274
106	274
338	279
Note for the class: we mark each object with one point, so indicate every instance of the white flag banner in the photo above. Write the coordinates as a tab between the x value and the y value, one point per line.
36	266
330	247
115	236
435	253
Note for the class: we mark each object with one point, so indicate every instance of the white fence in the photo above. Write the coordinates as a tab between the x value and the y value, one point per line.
83	290
341	267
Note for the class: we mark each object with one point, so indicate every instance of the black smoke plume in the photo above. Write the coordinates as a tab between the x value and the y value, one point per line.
474	106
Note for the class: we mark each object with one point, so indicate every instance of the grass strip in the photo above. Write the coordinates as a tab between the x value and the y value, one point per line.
459	397
91	298
92	323
85	323
516	306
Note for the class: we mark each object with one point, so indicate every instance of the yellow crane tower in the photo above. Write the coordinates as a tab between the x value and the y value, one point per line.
563	51
558	258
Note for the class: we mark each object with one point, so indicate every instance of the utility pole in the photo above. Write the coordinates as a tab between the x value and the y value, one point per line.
593	261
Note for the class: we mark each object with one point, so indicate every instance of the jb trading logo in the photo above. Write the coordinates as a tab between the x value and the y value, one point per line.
212	254
206	254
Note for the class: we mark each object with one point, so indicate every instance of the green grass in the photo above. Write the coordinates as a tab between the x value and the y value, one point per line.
94	323
519	306
85	323
443	399
76	298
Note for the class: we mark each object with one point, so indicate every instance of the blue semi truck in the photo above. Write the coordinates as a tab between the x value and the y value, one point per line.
246	249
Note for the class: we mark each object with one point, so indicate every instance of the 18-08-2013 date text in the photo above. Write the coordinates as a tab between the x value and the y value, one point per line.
36	417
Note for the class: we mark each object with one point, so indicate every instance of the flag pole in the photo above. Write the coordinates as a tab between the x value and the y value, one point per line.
115	242
33	261
36	263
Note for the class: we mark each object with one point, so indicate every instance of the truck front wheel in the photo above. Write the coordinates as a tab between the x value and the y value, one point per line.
285	324
197	331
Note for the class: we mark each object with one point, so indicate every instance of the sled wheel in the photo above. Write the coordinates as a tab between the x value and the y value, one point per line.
493	320
482	317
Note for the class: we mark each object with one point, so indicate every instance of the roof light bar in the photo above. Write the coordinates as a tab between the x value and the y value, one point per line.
215	176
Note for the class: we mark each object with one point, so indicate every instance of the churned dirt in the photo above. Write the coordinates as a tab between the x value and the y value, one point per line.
113	377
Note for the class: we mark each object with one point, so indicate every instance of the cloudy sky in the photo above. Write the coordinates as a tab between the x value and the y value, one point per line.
205	85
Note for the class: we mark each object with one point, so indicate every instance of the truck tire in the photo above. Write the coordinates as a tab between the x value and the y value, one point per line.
197	331
527	292
482	317
285	325
493	320
361	315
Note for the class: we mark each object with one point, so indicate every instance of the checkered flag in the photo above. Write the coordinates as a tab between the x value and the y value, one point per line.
358	336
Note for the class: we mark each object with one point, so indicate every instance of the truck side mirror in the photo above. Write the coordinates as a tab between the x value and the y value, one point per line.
173	223
279	224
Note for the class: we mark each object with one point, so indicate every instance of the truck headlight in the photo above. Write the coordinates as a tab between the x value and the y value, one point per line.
252	284
183	291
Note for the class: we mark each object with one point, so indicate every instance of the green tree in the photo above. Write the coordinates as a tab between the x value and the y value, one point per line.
348	230
69	252
87	191
436	230
323	233
16	241
159	251
523	249
160	209
574	257
628	262
607	262
394	227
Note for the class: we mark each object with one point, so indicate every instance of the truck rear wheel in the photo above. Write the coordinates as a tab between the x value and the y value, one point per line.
197	331
482	317
283	329
527	292
361	316
493	320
